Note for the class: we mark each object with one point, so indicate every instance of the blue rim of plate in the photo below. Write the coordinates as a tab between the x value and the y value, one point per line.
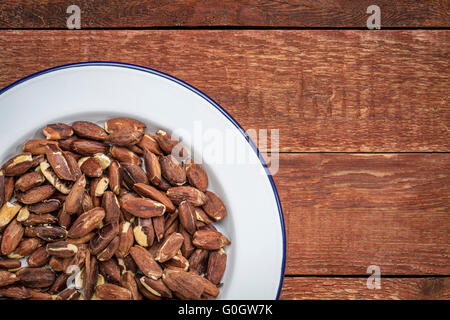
201	94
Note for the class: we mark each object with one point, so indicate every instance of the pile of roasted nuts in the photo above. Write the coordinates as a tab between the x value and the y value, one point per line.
88	222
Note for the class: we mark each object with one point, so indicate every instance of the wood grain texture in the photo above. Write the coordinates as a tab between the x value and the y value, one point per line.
352	91
192	13
356	289
344	212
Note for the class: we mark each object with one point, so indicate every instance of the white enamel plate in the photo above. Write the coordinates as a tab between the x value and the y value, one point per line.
98	91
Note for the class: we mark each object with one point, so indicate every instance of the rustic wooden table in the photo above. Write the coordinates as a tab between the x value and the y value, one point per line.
364	116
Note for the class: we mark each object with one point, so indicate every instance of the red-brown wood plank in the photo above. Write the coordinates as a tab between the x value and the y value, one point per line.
345	212
352	91
194	13
356	289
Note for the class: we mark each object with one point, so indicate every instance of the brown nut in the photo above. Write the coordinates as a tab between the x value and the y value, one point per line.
29	180
172	170
38	258
110	250
89	130
126	239
148	191
34	219
104	236
197	176
143	232
90	275
217	263
58	162
209	240
25	248
86	222
50	233
191	194
91	167
57	131
87	147
156	287
111	206
15	291
165	141
146	262
121	124
7	212
125	155
114	177
37	146
124	138
135	174
61	249
149	143
185	284
74	199
17	165
36	194
214	206
110	270
45	206
60	185
110	291
198	261
11	237
128	281
7	278
186	212
10	264
144	208
169	248
153	168
36	277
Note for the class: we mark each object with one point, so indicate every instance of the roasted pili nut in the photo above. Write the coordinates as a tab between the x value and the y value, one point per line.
124	138
35	219
114	177
60	185
172	170
37	160
7	212
17	165
187	248
214	206
36	277
58	162
121	124
178	261
7	278
39	295
126	239
61	249
217	263
133	174
125	155
165	141
38	258
88	147
60	284
209	240
82	240
197	176
156	287
128	281
90	275
23	214
198	261
87	203
74	199
50	233
25	248
29	180
144	208
152	167
191	194
111	206
210	289
148	191
148	142
15	291
37	146
143	232
9	264
110	291
103	237
186	212
11	237
145	261
184	284
86	222
169	248
36	194
91	167
158	226
45	206
9	188
110	270
73	164
66	144
89	130
70	294
57	131
101	186
127	264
